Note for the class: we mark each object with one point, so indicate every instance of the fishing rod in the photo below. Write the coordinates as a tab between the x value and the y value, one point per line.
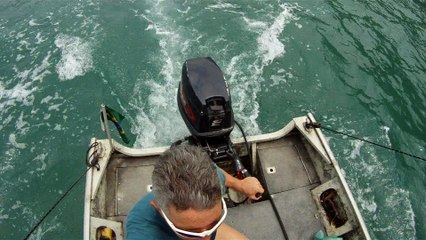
318	125
91	161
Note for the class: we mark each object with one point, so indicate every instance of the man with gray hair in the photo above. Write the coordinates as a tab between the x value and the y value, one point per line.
187	202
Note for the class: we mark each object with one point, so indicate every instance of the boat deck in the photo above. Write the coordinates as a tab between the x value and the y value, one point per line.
285	167
289	176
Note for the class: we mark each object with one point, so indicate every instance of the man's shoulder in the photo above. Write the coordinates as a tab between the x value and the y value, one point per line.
143	207
144	222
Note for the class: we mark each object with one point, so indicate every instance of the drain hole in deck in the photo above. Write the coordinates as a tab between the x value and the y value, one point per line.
271	170
333	207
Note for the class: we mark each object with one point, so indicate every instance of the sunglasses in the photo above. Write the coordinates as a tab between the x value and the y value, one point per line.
188	234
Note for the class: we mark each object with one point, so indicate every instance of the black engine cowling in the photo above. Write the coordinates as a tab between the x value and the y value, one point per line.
205	105
204	100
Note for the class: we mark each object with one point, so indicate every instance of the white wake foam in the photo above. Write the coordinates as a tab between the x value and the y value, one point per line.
244	88
13	142
3	216
158	121
222	6
42	70
225	7
255	25
356	150
33	22
41	161
19	93
246	72
76	57
386	129
269	44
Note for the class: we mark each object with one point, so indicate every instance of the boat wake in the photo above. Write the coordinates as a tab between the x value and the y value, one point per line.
158	121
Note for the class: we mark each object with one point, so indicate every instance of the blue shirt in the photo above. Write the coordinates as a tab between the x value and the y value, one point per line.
145	222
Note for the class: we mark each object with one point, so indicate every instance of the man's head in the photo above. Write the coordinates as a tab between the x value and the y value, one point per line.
184	178
187	189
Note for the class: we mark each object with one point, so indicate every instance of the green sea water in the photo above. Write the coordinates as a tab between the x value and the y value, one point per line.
358	66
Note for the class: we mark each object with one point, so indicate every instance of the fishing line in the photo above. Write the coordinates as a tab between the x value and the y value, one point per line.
91	161
317	125
56	204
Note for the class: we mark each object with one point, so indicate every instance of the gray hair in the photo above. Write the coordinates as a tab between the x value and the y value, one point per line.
186	177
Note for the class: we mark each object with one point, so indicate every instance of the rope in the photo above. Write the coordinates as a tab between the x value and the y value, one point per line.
95	161
54	206
370	142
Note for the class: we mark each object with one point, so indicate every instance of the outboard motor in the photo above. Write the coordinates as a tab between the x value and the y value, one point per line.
205	105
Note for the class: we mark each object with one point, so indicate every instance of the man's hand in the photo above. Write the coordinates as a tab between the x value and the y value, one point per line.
252	188
248	186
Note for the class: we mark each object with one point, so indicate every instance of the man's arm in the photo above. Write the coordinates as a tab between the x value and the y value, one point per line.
249	186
